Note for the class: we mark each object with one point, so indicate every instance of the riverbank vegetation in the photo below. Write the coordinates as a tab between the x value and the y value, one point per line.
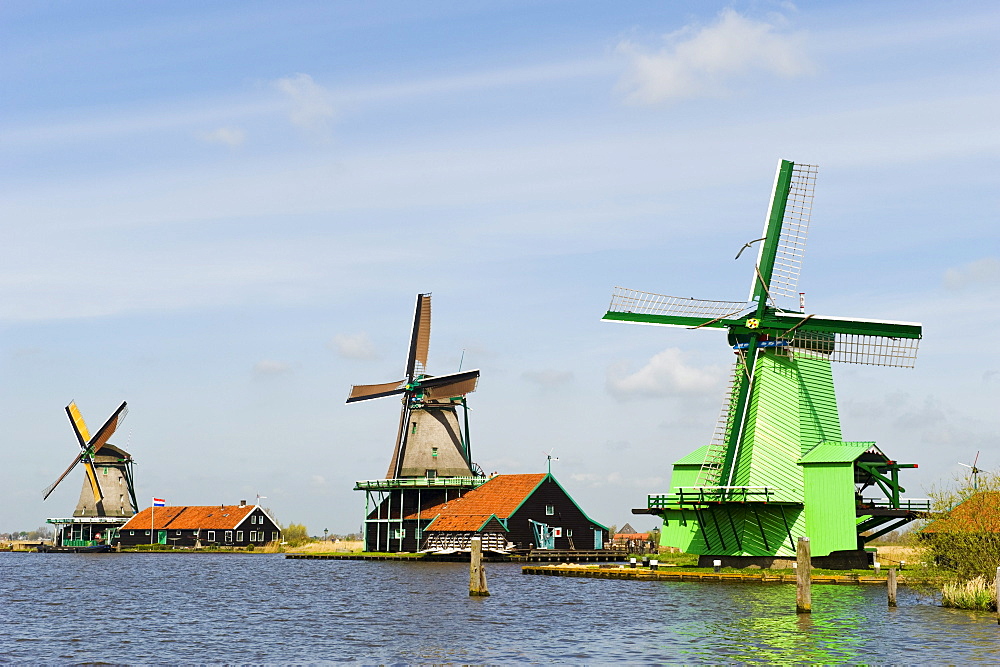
962	538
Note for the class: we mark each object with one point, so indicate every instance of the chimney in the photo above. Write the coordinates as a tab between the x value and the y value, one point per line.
243	503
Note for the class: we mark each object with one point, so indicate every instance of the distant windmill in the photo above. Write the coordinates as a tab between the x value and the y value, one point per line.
429	442
974	471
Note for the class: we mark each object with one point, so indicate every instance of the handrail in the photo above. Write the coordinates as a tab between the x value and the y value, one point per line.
420	482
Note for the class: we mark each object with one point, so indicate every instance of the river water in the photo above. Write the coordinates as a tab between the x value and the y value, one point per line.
236	608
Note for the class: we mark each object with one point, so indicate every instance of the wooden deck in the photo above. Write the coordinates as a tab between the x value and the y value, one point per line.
549	556
676	574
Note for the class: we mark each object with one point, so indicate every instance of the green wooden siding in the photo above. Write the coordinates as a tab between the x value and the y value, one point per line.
818	416
830	517
771	443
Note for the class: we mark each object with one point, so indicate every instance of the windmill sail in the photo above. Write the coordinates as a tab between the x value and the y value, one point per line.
363	392
649	308
779	259
420	339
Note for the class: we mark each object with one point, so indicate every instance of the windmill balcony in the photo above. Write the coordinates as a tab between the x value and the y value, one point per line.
909	504
421	483
702	495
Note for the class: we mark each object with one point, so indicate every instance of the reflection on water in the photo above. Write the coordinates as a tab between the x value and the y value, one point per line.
262	608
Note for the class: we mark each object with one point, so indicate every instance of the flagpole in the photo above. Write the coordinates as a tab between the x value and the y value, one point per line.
152	524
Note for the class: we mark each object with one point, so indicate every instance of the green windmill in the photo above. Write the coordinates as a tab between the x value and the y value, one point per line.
777	468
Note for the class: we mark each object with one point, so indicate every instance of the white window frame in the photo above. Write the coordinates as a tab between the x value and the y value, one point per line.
229	537
550	510
275	535
210	536
239	535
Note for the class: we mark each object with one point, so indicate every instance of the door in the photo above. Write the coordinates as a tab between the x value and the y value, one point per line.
161	537
545	535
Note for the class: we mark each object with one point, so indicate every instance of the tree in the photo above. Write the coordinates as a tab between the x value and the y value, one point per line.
295	534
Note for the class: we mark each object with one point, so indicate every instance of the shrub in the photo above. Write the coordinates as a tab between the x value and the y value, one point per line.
977	593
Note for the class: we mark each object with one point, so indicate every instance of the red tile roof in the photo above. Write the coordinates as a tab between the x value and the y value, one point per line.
190	517
500	496
980	513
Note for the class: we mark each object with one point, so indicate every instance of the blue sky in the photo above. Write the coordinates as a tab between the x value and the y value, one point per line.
222	212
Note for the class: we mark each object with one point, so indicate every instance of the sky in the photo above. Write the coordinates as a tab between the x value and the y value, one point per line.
222	213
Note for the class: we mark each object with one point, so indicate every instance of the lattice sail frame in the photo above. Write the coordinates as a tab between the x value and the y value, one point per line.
853	348
625	300
794	230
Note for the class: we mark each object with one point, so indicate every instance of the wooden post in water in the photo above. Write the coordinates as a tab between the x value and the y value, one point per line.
803	578
477	574
892	587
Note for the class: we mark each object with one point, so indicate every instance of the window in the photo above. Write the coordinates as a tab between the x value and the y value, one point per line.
210	536
434	452
398	533
177	532
569	532
557	532
131	532
550	510
275	536
229	537
253	518
239	535
430	473
105	471
147	532
413	431
253	535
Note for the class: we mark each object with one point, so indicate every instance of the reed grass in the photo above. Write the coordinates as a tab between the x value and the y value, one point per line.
978	594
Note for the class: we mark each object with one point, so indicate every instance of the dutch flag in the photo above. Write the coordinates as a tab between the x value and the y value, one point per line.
159	502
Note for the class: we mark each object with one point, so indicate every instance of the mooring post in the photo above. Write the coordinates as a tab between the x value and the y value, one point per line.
803	577
892	587
477	574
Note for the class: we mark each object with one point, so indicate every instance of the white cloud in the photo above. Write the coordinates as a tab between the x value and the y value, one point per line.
666	374
229	136
982	271
353	346
269	367
548	379
311	104
701	62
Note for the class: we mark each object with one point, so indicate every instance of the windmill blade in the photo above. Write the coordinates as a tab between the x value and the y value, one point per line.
364	392
855	341
420	338
52	487
441	382
88	465
628	305
79	426
460	385
397	451
779	260
108	429
856	349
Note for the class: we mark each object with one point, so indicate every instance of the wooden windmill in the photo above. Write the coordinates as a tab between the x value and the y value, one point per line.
429	441
107	498
776	467
432	460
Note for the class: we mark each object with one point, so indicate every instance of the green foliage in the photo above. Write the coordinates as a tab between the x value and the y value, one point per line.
978	594
295	534
963	535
